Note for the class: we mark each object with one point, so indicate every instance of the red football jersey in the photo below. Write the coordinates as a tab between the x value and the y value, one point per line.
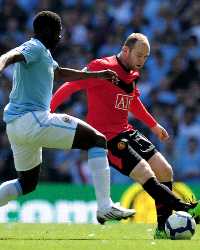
108	104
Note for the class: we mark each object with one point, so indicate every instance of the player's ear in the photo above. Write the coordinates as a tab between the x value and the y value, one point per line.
125	50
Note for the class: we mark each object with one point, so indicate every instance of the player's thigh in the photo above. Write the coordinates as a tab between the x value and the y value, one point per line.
55	130
66	132
130	163
26	156
26	151
127	149
147	151
142	172
161	167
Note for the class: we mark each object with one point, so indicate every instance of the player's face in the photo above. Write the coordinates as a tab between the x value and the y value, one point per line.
54	38
137	56
50	37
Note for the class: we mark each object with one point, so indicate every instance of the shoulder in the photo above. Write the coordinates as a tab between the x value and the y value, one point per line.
96	64
32	50
109	61
102	63
32	45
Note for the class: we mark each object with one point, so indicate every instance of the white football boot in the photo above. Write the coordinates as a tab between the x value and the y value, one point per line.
115	212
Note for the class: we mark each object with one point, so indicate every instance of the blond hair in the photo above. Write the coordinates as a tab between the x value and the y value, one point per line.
133	38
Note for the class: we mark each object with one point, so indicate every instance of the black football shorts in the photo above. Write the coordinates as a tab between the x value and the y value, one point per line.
127	149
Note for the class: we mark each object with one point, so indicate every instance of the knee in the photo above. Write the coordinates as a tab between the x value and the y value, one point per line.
142	172
168	171
87	138
96	140
161	168
165	173
28	185
100	141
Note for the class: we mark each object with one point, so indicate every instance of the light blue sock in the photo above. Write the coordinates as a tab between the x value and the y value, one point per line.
99	166
9	190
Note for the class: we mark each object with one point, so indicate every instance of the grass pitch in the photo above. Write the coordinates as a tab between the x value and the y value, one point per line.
16	236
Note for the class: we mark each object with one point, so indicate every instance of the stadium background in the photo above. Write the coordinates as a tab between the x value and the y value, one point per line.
170	88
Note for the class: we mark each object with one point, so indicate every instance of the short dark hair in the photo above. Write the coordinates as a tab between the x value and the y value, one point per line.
46	19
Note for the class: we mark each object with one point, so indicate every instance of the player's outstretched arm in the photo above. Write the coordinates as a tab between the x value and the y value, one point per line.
10	57
71	74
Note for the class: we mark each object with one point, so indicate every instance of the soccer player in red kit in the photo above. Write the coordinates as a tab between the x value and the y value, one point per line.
129	151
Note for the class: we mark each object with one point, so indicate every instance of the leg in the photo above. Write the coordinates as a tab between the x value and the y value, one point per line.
134	150
29	179
9	190
161	193
26	157
24	184
164	174
161	168
89	139
67	132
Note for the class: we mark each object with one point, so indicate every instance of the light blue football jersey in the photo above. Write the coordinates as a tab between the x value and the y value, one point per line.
32	81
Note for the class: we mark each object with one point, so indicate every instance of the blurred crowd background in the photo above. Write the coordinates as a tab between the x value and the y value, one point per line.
169	83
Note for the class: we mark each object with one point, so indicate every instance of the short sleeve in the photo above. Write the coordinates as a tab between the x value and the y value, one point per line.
55	65
30	51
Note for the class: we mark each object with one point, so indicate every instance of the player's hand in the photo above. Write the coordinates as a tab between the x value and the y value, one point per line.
108	75
160	132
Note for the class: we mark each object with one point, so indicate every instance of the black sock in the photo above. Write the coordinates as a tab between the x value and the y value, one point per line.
163	211
163	195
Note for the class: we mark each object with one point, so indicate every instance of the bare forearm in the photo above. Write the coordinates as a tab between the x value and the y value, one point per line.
71	74
4	61
10	58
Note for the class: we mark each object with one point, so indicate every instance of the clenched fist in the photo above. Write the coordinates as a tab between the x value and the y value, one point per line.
160	132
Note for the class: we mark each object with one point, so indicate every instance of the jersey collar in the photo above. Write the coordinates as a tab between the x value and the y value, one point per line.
122	65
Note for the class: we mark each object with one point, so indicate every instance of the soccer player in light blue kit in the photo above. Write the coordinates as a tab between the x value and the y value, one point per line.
30	125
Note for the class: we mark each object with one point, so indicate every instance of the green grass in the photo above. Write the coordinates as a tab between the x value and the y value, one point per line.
16	236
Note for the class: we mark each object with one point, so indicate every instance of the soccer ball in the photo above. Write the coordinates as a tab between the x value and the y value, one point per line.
180	226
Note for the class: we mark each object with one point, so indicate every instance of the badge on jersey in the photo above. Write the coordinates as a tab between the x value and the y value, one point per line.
122	144
67	119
